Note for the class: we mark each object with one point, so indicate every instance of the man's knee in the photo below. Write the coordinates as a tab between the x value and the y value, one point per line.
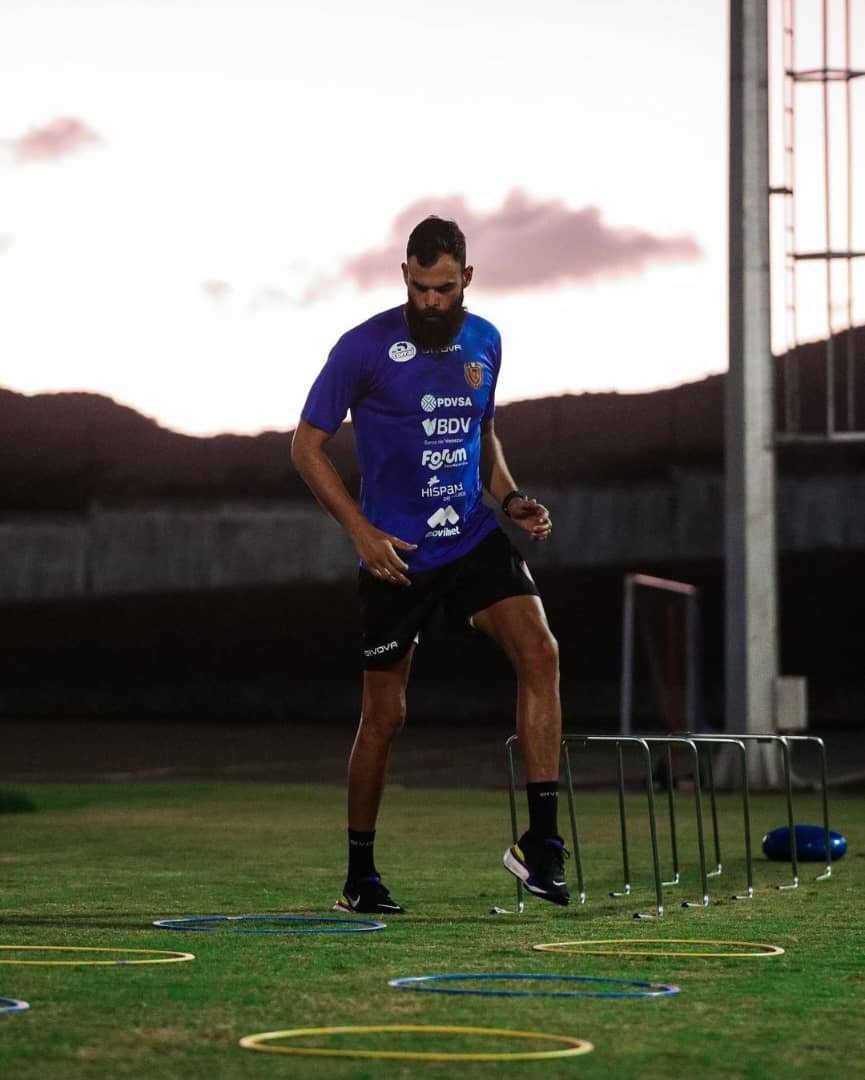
537	655
382	716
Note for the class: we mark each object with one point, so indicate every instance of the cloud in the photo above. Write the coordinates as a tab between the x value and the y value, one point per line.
59	139
524	244
218	291
270	296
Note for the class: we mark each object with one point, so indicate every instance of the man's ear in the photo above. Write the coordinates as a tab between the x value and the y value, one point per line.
405	272
467	276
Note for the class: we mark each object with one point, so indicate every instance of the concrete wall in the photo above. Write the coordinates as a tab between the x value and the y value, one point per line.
112	552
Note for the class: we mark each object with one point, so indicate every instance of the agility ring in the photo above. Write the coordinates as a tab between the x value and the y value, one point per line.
155	956
575	948
12	1005
215	923
260	1042
646	989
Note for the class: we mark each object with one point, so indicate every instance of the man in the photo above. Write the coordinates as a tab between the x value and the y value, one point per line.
420	382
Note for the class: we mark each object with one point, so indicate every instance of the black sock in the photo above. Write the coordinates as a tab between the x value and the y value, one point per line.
361	854
543	798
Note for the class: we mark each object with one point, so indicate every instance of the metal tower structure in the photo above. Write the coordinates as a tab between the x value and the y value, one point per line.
751	648
751	428
828	32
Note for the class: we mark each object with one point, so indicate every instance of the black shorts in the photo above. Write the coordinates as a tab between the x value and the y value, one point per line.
393	616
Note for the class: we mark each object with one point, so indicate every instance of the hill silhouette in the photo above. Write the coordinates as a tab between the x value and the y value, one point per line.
60	452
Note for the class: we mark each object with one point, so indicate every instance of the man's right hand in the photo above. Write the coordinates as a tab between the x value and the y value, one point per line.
378	550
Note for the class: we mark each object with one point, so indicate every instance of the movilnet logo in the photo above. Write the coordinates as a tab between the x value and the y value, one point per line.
474	374
401	351
444	515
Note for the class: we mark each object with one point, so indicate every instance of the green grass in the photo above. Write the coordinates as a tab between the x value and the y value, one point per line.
95	864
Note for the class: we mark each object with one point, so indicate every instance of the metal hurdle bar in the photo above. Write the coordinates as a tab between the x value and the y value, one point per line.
669	741
783	743
643	747
699	739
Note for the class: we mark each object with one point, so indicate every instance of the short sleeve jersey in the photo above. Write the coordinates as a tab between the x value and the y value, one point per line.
417	418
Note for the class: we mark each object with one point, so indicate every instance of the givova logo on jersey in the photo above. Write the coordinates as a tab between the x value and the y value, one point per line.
443	522
437	459
447	425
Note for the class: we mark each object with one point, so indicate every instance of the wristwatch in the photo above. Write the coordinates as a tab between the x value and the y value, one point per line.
508	499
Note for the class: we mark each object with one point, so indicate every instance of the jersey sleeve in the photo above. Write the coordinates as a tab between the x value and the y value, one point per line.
496	351
338	385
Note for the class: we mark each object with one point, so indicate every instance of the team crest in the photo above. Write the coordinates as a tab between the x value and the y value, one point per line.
474	374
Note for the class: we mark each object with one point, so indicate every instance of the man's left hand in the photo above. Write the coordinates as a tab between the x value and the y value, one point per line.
531	516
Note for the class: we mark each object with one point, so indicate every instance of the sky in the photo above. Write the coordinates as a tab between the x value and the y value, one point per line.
197	199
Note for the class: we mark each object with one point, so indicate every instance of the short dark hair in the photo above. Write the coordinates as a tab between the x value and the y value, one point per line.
434	237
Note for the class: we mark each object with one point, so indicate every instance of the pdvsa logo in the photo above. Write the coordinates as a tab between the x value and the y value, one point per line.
429	402
401	351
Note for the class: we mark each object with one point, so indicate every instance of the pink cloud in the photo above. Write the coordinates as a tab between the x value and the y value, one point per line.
527	243
217	290
61	138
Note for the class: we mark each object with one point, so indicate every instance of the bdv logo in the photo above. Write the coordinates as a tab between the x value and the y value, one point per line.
447	425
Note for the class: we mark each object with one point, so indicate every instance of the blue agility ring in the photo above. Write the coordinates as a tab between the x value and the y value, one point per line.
326	925
646	989
12	1005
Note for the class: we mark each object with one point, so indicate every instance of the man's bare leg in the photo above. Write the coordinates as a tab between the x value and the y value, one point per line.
382	716
520	627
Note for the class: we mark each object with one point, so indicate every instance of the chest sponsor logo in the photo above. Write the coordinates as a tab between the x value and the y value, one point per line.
437	490
443	522
474	374
429	402
401	351
447	425
437	459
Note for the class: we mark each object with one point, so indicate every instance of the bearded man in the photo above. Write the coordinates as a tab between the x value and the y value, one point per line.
419	381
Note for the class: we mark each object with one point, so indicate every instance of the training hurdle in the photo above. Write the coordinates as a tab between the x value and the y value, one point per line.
642	746
784	744
693	741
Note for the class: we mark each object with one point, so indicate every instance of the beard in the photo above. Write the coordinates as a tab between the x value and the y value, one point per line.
435	329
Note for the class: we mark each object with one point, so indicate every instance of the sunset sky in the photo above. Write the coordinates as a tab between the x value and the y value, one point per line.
197	199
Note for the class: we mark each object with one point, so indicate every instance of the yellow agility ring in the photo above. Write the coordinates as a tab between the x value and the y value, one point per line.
156	956
258	1042
576	948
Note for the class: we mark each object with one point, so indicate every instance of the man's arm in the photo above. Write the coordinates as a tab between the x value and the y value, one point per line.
377	549
527	513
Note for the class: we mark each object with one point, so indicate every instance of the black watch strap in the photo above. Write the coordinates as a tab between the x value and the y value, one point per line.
508	499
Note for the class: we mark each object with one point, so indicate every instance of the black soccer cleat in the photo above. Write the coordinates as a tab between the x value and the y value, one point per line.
540	866
367	896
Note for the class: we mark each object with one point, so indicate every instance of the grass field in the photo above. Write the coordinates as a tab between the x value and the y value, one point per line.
94	865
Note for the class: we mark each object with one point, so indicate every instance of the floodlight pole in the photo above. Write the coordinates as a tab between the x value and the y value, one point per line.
751	559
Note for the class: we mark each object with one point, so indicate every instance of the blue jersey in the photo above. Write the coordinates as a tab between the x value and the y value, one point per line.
417	418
